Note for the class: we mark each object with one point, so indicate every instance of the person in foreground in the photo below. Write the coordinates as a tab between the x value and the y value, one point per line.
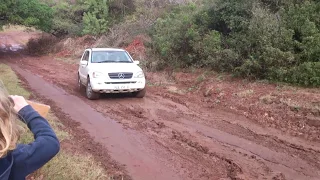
17	161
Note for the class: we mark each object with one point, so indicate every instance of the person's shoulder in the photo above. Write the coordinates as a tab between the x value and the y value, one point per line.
19	151
22	152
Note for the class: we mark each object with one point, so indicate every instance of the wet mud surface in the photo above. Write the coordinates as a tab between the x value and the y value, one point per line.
171	135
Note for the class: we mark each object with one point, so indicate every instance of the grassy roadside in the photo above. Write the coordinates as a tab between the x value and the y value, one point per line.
66	165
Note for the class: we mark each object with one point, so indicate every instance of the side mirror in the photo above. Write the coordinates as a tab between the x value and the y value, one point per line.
83	63
136	62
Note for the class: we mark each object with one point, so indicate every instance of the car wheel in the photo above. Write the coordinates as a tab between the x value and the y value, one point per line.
90	93
140	94
81	87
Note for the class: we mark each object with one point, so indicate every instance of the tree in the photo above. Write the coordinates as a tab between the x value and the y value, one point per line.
96	19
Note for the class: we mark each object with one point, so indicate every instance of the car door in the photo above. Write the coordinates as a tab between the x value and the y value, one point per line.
84	66
87	68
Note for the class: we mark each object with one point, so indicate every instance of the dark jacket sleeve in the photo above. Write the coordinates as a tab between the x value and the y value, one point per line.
30	157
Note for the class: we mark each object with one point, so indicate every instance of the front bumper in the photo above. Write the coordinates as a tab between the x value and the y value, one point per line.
118	86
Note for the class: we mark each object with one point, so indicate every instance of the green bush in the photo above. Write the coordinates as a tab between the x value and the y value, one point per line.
80	17
174	36
306	74
67	19
26	12
96	19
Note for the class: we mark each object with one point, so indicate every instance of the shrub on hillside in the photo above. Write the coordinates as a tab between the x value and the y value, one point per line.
96	18
306	74
174	37
82	17
42	45
67	19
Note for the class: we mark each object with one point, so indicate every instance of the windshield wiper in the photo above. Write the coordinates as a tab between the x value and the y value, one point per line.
124	61
113	61
106	61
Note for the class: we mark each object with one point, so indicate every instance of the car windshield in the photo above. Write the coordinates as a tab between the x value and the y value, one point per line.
110	57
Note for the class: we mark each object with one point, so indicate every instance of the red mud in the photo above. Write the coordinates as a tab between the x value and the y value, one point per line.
191	125
136	48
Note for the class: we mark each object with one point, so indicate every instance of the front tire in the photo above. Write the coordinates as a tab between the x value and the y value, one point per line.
140	94
90	93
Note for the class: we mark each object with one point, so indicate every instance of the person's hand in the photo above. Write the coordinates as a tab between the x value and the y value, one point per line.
19	102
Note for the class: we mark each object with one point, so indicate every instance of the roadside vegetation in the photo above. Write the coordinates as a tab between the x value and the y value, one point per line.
266	39
67	164
276	40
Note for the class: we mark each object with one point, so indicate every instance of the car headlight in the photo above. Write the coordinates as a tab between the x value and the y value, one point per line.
97	74
139	74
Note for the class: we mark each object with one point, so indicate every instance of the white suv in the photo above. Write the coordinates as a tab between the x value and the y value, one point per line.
108	70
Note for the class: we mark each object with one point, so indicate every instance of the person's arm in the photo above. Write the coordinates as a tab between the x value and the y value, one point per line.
30	157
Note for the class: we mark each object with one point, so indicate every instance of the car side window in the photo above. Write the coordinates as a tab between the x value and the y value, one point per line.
86	56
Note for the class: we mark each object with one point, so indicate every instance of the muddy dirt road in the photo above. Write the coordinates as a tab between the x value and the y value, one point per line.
170	135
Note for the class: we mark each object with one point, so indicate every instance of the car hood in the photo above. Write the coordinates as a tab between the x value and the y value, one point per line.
115	67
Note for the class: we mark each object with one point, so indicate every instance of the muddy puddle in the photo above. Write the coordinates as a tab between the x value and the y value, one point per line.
11	48
7	46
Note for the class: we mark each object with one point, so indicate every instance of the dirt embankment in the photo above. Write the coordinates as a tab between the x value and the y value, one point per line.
194	125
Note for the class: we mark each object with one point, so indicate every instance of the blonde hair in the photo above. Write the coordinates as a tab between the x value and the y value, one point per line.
9	129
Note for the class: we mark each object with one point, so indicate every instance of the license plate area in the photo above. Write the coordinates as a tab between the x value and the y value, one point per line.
121	87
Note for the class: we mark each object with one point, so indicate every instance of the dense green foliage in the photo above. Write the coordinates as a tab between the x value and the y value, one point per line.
270	39
67	19
82	17
95	20
26	12
79	17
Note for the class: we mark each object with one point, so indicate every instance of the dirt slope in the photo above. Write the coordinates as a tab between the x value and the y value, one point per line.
172	134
